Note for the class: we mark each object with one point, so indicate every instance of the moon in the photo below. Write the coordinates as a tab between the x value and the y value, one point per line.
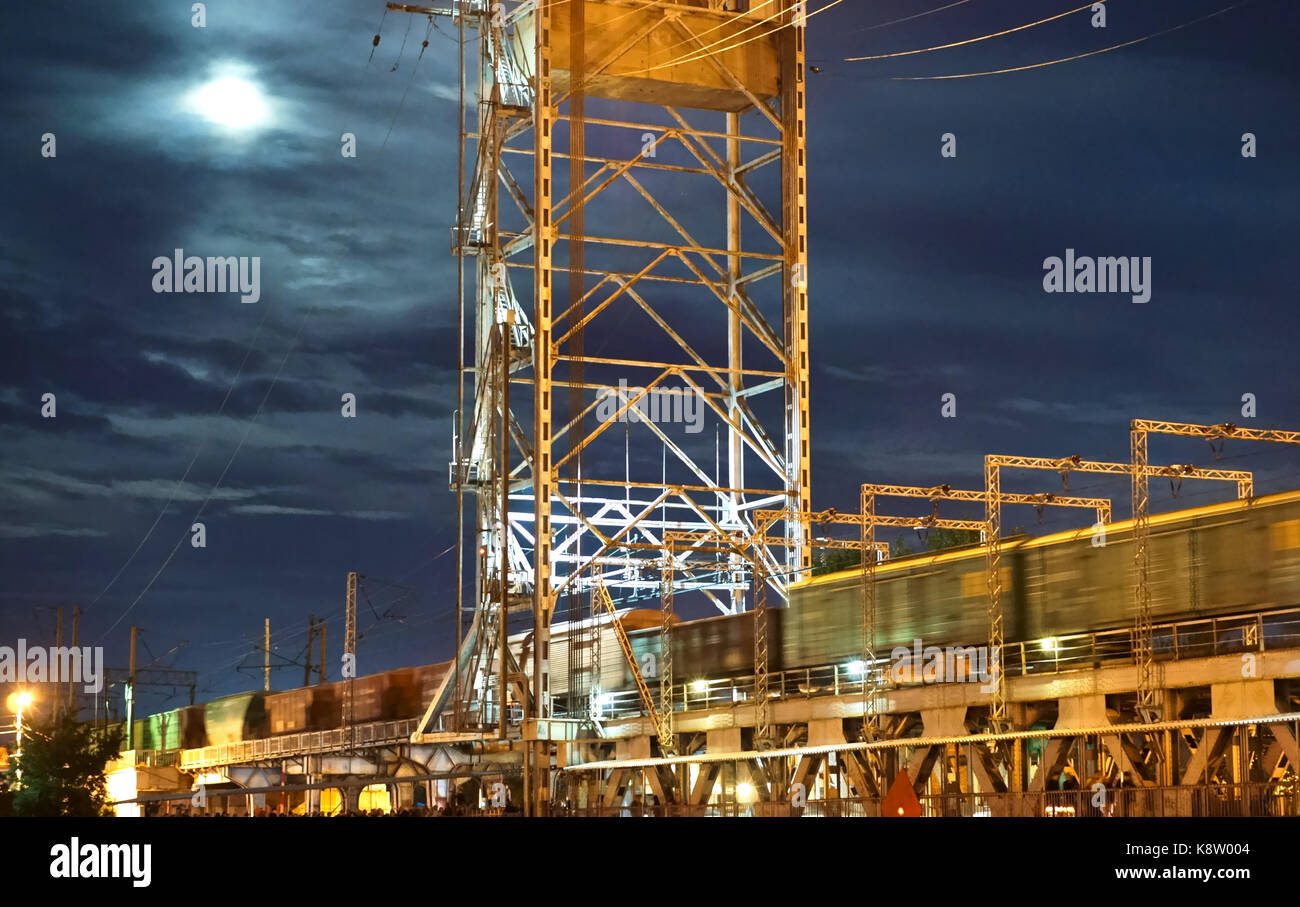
231	102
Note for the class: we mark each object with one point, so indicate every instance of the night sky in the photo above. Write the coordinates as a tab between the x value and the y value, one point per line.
926	278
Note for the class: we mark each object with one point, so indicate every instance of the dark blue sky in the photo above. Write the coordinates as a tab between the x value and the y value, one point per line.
925	279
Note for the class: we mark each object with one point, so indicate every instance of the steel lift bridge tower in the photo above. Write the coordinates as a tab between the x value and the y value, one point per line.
633	205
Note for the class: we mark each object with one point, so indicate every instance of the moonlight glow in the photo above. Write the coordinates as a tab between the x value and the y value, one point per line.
230	102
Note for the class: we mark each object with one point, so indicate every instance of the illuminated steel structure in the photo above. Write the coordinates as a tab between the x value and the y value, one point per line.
935	494
695	283
748	547
1140	471
1148	687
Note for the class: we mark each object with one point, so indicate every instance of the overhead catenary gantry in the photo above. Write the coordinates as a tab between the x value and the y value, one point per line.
993	466
1148	704
870	520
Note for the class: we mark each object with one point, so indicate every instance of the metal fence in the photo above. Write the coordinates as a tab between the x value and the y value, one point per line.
335	740
1201	638
1219	801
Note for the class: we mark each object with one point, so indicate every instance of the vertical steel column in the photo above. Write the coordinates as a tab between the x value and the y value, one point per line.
735	346
130	698
544	116
870	679
311	638
350	647
1148	697
72	689
794	199
666	654
503	565
544	359
993	558
595	673
458	446
762	718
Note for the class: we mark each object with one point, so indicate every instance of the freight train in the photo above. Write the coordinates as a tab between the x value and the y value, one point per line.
1232	558
390	696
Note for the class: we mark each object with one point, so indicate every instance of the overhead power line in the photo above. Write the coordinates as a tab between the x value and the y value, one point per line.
928	12
975	40
1091	53
710	50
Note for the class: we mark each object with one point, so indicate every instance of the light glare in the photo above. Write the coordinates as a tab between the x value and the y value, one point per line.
230	102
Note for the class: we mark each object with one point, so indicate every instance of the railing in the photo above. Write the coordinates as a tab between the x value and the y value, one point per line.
1218	801
1201	638
1082	651
375	734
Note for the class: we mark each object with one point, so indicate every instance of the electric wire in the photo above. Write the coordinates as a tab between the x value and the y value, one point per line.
711	50
928	12
1091	53
975	40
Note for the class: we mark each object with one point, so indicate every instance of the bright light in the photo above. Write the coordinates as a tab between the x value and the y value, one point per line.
230	102
699	686
745	792
1051	644
855	667
17	702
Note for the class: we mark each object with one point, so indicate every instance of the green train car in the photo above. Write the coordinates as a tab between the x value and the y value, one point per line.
178	729
1219	559
706	649
242	716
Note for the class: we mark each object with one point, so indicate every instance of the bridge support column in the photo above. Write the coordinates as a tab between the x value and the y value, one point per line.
311	796
351	797
949	721
722	740
1243	699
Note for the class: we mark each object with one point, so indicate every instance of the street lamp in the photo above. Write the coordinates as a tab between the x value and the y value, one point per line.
18	702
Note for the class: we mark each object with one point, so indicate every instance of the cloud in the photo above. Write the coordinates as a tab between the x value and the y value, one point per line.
11	531
280	510
446	92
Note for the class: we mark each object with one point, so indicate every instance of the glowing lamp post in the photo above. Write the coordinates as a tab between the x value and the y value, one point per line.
18	702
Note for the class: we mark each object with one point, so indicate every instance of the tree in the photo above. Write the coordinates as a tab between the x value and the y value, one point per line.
937	540
833	560
62	766
6	795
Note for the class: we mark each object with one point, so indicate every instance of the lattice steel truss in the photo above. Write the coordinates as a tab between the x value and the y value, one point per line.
750	550
691	243
1149	706
992	498
1140	471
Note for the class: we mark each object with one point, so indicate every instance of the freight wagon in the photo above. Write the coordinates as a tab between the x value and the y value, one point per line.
1219	559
